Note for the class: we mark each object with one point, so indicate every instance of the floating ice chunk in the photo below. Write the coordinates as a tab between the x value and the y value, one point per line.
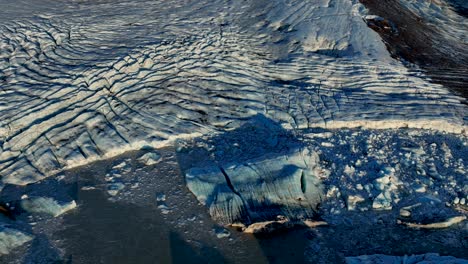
373	17
11	238
353	200
419	188
349	170
433	173
405	213
429	258
88	188
444	224
383	201
46	205
164	208
150	158
120	165
161	197
222	232
123	167
114	188
462	201
259	188
211	189
327	144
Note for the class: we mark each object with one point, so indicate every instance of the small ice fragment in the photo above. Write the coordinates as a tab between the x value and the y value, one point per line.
327	144
114	188
164	208
61	177
405	213
373	17
161	197
108	178
150	158
353	200
462	201
24	196
222	232
120	165
420	189
382	202
456	200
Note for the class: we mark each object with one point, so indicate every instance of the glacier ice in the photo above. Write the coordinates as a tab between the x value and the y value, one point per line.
47	205
150	158
258	189
79	90
118	77
254	173
11	238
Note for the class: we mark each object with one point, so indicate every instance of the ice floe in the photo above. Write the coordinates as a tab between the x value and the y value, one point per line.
11	238
150	158
46	205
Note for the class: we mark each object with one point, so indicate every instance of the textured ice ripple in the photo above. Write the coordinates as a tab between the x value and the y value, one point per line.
93	86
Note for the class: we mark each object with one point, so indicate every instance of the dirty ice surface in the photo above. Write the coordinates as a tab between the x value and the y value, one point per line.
276	115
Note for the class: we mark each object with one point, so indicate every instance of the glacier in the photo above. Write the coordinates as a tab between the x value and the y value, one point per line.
266	114
93	93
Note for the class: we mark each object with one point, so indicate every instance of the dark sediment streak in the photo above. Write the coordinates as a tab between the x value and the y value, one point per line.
423	44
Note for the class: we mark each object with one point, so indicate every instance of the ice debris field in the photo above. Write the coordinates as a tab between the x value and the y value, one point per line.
280	111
